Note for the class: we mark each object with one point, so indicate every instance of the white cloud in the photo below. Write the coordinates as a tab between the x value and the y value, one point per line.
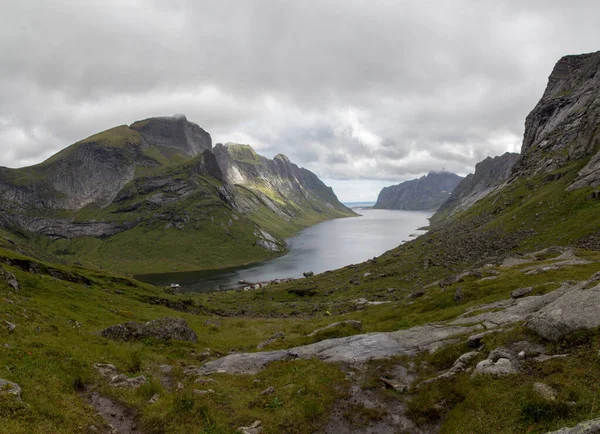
352	90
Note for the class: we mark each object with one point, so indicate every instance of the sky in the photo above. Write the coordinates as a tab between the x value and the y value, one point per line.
363	93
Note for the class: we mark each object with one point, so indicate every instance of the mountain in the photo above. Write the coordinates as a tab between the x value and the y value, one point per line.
425	193
490	174
156	196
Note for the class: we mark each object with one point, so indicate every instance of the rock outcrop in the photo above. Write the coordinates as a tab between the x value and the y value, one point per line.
174	132
490	174
426	193
587	427
577	311
164	329
563	126
280	184
10	388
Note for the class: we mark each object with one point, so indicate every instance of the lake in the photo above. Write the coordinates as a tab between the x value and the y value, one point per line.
326	246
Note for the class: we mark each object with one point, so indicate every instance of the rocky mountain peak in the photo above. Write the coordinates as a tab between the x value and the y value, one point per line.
282	158
563	126
174	132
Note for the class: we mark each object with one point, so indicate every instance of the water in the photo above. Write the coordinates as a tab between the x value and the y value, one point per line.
326	246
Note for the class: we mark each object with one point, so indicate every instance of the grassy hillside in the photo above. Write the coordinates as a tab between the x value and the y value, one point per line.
60	310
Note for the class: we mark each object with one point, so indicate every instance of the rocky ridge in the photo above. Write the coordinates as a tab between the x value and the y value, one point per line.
425	193
162	173
490	175
563	126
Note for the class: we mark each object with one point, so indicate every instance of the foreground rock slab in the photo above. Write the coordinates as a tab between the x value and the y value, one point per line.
163	329
587	427
577	310
359	348
568	308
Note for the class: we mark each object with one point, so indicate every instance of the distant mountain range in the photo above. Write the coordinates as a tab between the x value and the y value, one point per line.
425	193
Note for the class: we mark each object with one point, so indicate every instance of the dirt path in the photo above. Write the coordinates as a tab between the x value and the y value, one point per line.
119	418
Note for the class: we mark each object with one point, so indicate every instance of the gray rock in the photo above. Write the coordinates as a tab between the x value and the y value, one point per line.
461	364
10	326
430	337
458	295
154	399
352	323
416	294
106	370
165	369
500	368
10	388
255	428
475	340
576	310
275	337
500	353
163	329
123	381
351	349
203	392
545	391
212	323
521	292
268	391
10	279
587	427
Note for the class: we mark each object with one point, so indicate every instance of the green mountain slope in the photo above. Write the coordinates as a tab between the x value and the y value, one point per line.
152	197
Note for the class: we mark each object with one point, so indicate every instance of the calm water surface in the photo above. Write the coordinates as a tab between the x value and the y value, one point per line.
326	246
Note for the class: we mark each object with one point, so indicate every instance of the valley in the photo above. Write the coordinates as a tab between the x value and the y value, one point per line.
487	323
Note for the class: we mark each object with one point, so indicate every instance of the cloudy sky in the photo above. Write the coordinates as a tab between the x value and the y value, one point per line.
364	93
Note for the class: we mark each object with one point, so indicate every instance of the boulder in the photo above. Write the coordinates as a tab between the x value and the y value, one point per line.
255	428
545	391
500	368
10	388
460	365
576	310
587	427
10	279
163	329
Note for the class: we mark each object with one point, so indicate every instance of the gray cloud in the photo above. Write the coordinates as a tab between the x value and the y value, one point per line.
383	90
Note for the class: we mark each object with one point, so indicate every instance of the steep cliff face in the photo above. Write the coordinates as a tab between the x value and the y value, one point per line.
175	133
425	193
155	197
95	169
490	174
286	188
563	126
